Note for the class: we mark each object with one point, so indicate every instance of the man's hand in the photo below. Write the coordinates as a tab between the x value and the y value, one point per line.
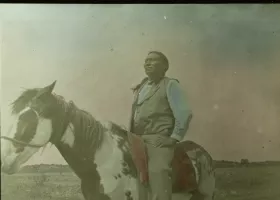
163	141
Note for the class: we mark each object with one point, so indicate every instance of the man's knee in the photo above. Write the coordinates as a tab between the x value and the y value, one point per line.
160	165
161	178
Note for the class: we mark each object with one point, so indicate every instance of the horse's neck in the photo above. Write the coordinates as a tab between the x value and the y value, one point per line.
82	167
83	135
82	157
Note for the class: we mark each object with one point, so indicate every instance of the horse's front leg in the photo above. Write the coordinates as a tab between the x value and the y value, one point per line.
93	191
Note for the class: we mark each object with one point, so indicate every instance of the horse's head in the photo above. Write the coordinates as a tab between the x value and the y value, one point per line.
31	129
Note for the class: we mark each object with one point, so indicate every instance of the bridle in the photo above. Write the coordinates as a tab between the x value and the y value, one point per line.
25	144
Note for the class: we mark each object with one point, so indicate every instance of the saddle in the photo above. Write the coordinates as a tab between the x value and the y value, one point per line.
183	173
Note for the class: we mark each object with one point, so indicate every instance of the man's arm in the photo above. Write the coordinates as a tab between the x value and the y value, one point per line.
180	109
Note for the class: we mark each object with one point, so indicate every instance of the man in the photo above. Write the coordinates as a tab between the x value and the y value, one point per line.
160	116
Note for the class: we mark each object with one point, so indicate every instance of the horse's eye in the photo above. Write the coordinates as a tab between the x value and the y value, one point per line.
39	101
34	101
42	98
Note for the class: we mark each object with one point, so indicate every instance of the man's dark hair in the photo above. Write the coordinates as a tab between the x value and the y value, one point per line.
163	58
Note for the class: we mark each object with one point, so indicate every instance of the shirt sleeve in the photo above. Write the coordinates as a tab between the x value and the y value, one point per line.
180	108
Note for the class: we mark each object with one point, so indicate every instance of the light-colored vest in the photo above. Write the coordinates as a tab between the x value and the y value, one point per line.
152	114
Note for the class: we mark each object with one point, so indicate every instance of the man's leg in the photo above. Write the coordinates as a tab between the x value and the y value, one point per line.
161	185
142	190
160	172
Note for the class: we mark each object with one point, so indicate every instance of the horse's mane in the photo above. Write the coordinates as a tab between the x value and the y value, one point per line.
87	129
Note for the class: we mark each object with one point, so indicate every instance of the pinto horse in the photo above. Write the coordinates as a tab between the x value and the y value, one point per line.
98	152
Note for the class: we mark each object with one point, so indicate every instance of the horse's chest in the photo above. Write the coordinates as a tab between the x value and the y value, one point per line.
109	165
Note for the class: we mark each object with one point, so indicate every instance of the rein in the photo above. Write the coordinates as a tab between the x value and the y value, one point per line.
24	143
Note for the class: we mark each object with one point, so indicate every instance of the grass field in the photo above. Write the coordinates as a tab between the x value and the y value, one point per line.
240	183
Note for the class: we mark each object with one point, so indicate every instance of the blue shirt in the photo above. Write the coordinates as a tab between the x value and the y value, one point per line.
178	104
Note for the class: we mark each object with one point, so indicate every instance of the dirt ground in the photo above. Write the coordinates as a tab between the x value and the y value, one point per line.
240	183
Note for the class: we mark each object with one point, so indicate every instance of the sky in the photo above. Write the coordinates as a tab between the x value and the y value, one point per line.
226	57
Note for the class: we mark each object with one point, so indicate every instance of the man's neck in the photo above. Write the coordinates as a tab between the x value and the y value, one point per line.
155	79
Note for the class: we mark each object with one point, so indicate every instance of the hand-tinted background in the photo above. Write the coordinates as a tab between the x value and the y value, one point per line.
226	58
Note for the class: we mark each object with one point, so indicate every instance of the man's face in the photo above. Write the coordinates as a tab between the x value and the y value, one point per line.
153	65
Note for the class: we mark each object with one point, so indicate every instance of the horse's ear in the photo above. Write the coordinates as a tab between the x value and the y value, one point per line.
49	88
